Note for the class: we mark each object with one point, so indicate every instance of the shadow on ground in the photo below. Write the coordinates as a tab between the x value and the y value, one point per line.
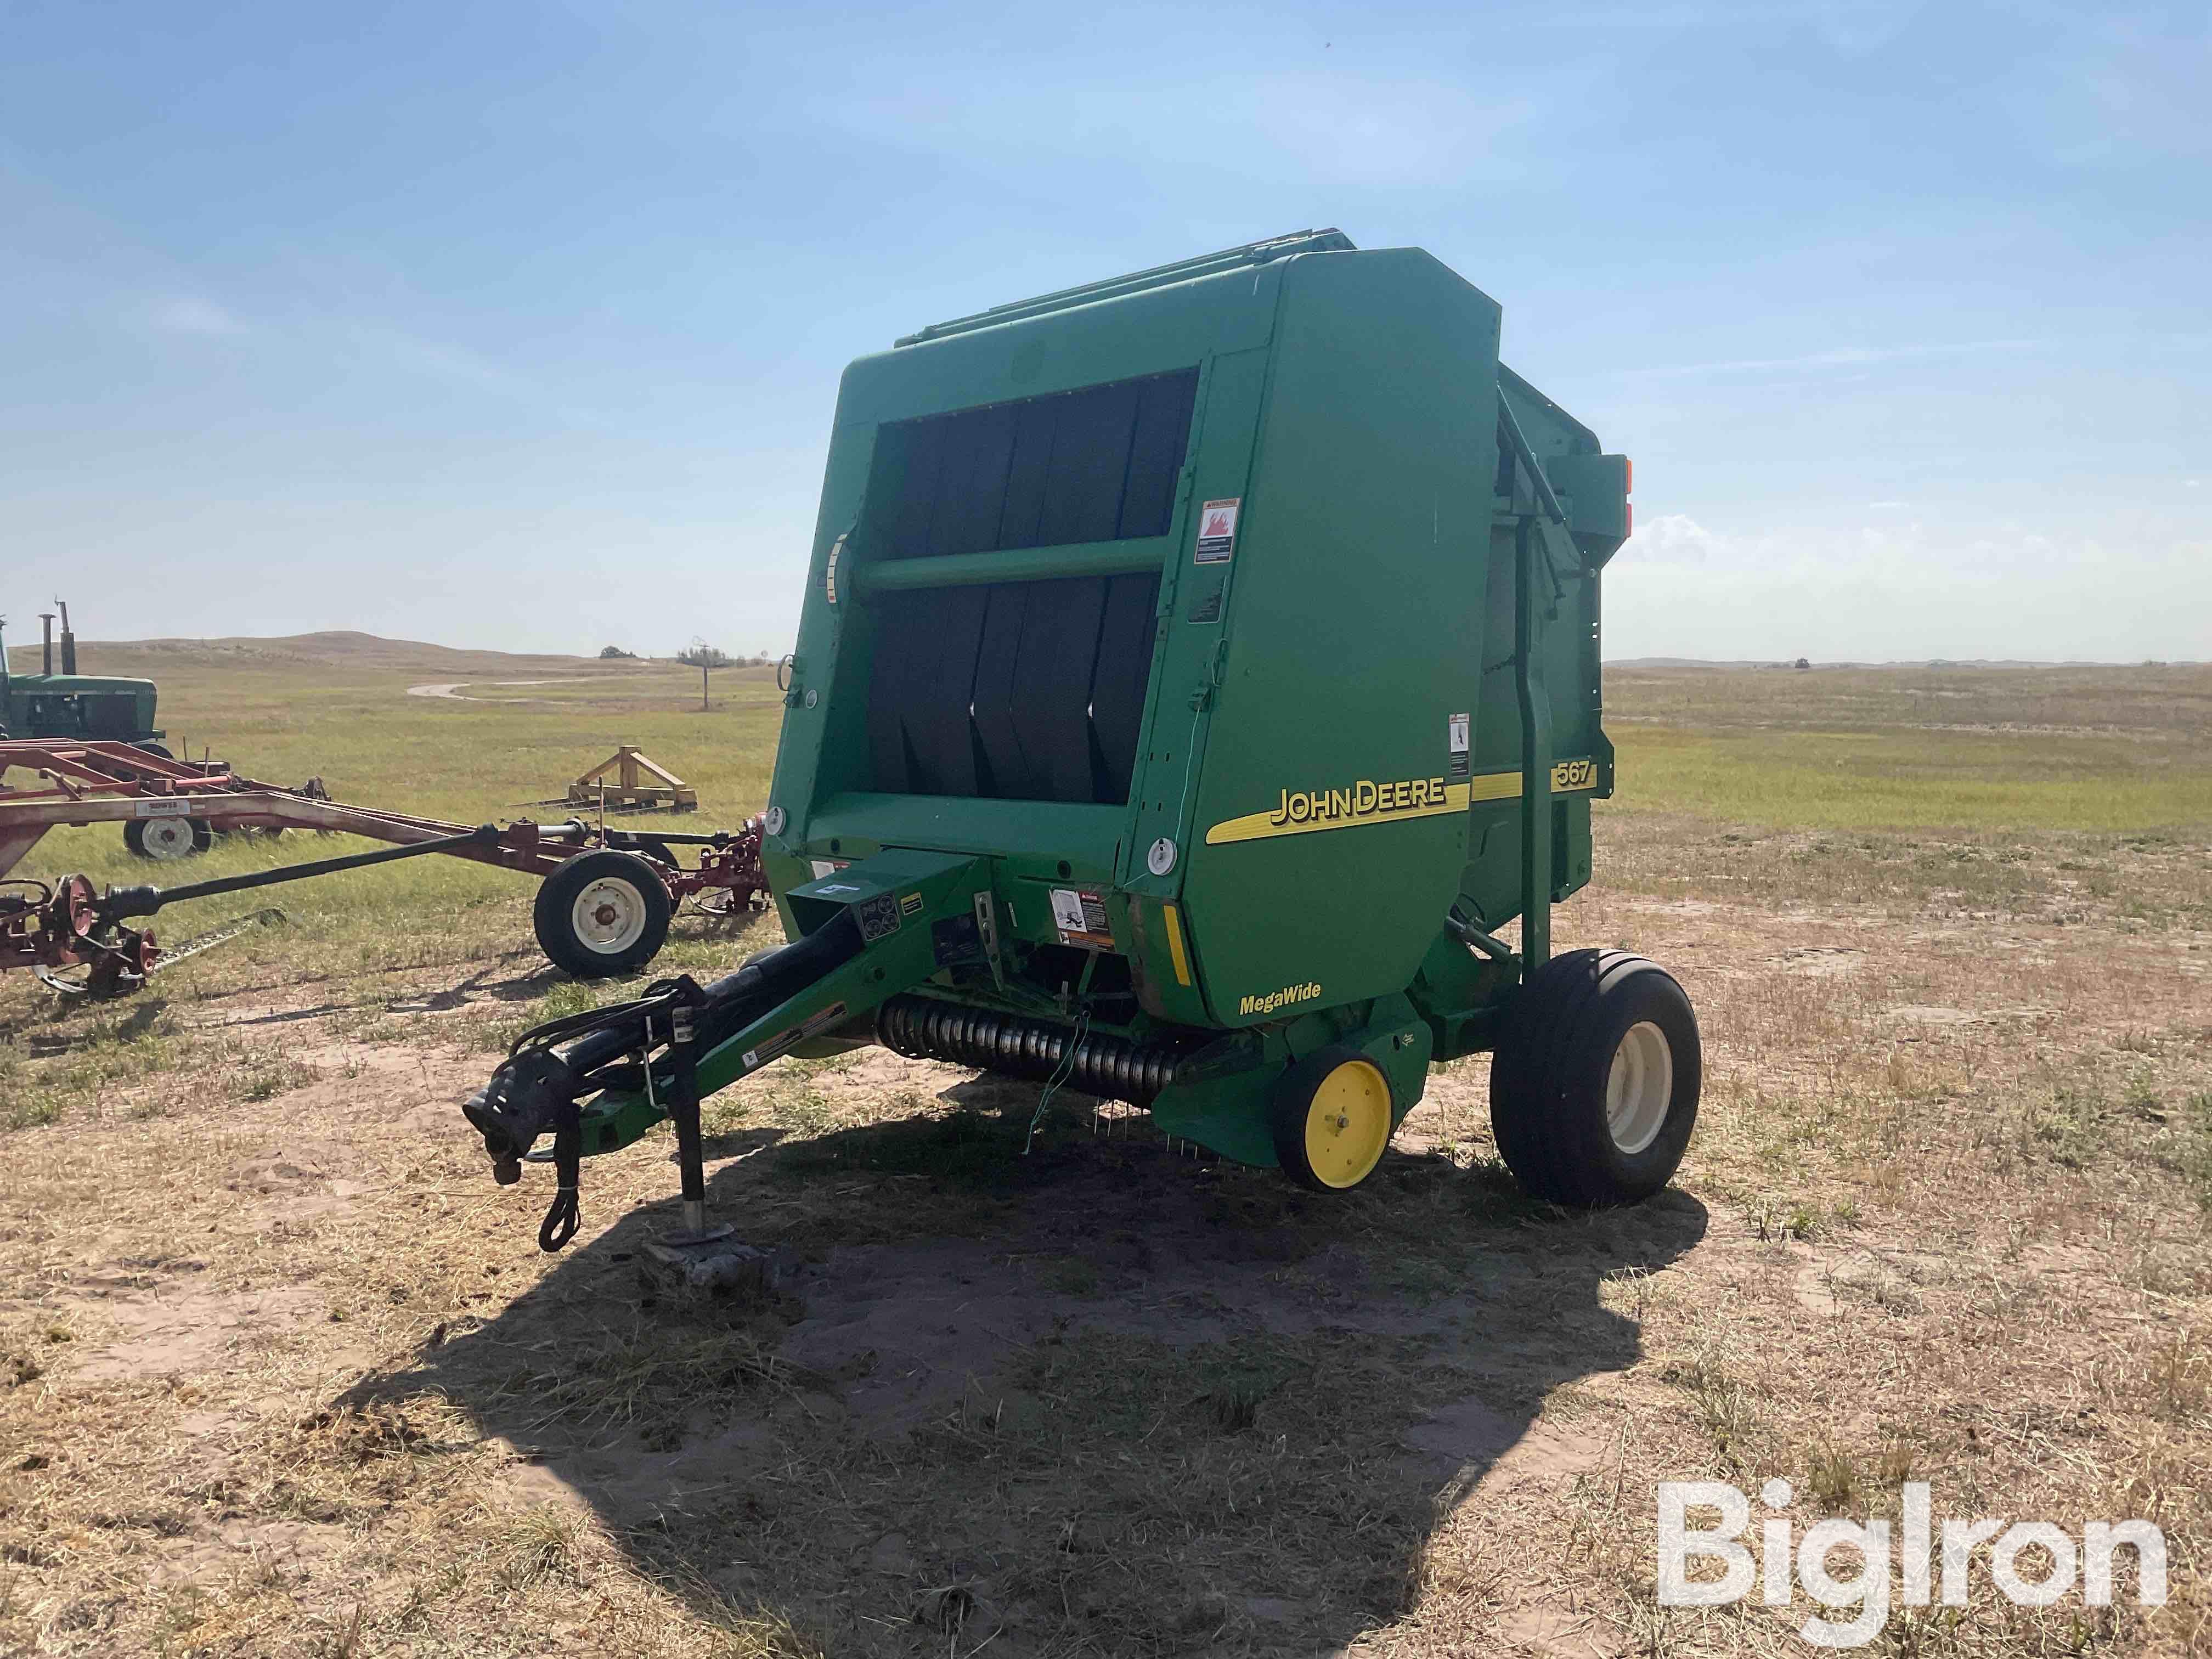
1104	1399
481	986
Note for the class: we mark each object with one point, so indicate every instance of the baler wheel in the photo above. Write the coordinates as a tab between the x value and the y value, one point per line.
1594	1090
166	840
1332	1118
600	914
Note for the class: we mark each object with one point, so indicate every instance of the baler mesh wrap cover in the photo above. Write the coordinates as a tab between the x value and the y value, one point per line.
1023	690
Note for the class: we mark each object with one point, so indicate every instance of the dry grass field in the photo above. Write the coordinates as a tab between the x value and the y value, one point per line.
282	1372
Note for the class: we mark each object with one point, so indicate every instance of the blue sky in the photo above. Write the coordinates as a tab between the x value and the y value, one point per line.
519	326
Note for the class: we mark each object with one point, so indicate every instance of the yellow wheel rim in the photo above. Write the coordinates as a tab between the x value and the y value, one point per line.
1348	1123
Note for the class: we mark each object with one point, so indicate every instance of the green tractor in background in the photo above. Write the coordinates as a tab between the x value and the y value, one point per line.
96	709
73	705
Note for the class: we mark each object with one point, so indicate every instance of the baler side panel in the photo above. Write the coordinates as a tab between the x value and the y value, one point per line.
1593	492
1568	651
1353	634
1195	601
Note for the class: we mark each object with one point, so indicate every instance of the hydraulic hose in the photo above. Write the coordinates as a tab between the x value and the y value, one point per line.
1475	938
553	1066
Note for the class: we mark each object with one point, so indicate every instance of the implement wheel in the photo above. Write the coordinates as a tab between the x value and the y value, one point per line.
1333	1118
601	913
1594	1090
166	839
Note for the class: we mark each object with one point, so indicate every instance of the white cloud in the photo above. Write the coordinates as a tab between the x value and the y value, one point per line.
1901	588
1670	538
185	314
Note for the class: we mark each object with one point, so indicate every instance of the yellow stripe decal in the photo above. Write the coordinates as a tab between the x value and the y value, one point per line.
1175	944
1303	813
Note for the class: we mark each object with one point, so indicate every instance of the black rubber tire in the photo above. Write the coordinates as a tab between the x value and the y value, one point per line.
1292	1098
1548	1078
661	850
153	748
134	837
553	916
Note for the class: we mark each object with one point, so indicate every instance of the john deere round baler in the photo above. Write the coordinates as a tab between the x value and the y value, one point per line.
1198	670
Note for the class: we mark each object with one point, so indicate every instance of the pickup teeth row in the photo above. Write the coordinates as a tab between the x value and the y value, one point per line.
1111	1067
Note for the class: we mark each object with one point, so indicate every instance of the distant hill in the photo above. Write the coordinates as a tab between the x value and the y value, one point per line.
1676	662
338	649
1918	662
344	650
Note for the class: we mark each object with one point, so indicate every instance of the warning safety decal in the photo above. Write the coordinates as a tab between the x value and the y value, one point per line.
1080	918
1217	531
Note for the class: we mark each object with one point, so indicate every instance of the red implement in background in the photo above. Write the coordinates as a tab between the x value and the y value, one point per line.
63	925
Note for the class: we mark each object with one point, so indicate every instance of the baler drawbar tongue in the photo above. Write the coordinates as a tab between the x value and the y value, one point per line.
599	1081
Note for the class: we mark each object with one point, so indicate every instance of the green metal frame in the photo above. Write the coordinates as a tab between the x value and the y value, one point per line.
1341	861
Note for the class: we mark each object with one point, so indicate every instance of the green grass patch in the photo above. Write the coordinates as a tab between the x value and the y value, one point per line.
1912	779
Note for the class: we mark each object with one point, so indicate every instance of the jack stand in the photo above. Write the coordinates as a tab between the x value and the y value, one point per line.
683	1112
706	1257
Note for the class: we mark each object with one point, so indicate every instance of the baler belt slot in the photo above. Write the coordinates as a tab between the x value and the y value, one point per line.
1003	771
1032	687
1089	467
925	679
1051	711
1096	465
1164	407
1012	690
944	740
1119	678
1029	478
973	462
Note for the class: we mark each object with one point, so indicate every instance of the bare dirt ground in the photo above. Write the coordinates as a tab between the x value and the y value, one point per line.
292	1373
282	1372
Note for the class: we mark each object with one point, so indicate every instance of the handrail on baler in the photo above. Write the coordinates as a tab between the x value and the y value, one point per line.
1181	270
